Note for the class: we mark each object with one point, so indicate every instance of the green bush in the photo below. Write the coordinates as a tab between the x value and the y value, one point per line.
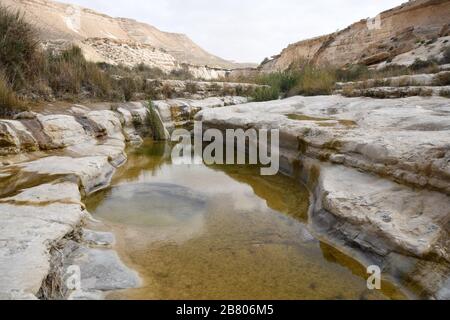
314	81
19	54
265	94
283	81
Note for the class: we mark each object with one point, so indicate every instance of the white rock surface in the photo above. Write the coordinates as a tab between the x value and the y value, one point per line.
91	144
31	223
379	171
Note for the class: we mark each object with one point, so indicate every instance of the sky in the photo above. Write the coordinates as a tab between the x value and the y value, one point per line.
244	30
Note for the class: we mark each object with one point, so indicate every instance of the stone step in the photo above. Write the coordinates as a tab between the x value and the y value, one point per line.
438	79
395	92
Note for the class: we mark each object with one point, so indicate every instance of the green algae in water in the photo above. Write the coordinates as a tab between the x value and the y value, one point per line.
221	232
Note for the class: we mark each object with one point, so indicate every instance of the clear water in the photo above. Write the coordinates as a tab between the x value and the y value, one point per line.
198	232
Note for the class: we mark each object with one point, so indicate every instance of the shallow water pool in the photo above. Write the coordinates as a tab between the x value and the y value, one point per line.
223	232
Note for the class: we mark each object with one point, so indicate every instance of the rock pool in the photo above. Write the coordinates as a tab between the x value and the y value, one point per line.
221	232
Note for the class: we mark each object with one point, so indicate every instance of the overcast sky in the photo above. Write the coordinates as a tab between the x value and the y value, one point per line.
244	30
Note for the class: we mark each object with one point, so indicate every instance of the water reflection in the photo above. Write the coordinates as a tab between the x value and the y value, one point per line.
222	232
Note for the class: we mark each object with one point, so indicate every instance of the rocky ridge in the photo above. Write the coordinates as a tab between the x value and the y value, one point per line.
117	40
415	29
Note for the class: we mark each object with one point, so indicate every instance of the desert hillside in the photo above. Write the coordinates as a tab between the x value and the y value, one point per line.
396	33
104	38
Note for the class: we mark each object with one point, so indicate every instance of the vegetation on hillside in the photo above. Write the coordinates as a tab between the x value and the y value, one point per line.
28	73
302	78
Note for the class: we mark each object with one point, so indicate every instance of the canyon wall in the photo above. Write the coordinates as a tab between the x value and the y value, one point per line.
372	41
117	40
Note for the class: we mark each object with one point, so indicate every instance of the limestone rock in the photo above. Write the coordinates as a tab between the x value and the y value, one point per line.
379	171
101	270
97	238
94	173
31	223
395	33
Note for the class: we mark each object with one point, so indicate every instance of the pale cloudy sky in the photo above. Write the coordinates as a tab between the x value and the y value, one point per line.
244	30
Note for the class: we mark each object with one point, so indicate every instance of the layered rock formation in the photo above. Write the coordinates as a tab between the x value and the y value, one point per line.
379	172
200	89
116	40
391	34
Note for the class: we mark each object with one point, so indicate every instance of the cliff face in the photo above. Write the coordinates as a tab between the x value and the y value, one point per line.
392	33
108	39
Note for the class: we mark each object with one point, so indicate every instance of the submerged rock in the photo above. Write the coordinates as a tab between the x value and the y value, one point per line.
98	238
100	270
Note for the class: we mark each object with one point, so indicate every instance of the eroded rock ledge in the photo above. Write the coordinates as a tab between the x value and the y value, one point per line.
48	163
379	173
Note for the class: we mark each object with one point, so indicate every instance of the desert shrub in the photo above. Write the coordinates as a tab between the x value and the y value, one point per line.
167	91
69	73
97	82
19	48
129	87
228	90
314	81
240	91
349	91
442	79
9	103
426	66
392	70
192	87
148	72
354	72
303	79
214	87
244	91
283	81
181	74
150	91
265	94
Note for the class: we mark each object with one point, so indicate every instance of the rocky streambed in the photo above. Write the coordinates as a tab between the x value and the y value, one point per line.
49	162
378	172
